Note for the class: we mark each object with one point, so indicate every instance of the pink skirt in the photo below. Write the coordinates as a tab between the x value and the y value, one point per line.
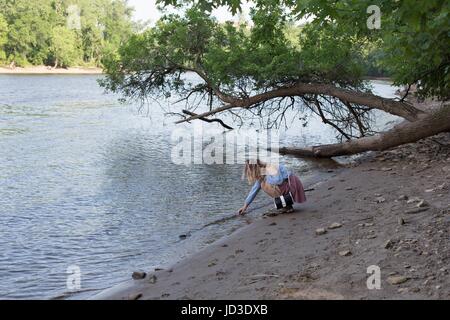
295	187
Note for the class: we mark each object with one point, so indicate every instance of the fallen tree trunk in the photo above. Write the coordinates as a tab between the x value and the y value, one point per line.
406	132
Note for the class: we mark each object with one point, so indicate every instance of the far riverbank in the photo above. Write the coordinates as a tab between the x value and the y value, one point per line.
50	70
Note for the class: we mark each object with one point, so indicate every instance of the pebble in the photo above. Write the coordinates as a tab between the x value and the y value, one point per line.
402	197
442	186
422	204
152	279
388	244
138	275
334	225
345	253
394	280
135	296
412	200
401	221
212	264
367	224
416	210
321	231
380	200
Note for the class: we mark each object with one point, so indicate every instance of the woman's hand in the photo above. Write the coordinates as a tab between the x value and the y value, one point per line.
243	210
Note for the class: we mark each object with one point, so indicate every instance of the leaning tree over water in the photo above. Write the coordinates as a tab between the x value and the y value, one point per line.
261	69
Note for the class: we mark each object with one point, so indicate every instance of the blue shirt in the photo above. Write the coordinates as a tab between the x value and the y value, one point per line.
278	179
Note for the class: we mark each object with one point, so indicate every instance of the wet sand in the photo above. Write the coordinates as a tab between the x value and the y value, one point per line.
391	209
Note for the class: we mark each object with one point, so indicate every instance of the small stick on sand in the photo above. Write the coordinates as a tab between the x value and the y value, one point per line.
264	276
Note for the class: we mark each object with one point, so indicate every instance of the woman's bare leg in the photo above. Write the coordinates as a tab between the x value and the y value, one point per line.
271	190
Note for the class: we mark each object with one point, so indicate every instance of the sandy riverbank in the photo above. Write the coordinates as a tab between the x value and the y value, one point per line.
383	221
49	70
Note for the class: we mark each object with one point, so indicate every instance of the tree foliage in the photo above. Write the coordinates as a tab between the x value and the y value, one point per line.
413	39
233	60
37	32
63	48
3	37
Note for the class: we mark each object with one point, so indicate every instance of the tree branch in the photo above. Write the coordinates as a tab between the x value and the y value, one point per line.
189	113
326	121
397	108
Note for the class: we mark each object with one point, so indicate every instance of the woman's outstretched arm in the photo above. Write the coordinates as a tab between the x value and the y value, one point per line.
251	196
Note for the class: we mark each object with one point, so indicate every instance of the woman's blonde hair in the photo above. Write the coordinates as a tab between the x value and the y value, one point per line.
253	171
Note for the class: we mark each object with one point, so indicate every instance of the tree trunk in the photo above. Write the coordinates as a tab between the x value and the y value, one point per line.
406	132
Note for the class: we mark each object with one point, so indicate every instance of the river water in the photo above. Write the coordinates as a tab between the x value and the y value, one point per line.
87	182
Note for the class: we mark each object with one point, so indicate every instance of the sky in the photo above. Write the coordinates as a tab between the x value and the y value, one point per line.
146	10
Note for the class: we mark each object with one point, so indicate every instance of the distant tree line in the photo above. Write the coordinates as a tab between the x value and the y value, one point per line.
62	33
